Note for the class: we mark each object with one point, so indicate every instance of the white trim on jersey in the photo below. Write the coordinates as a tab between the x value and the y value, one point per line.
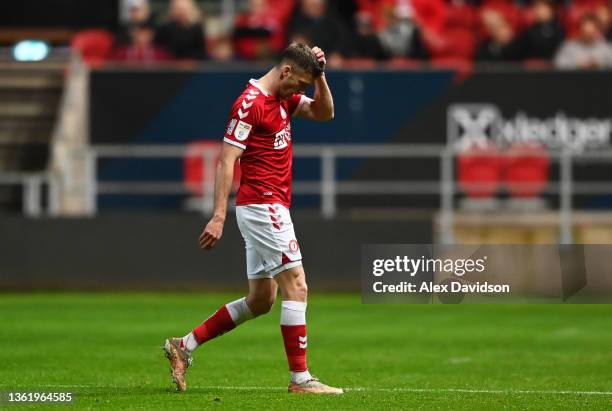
234	143
303	100
255	84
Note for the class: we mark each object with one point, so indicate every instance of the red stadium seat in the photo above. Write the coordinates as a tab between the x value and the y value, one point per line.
462	17
479	171
431	14
574	13
461	42
526	170
282	9
454	43
193	169
94	46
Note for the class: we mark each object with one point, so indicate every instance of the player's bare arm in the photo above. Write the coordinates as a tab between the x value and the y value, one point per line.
321	107
223	187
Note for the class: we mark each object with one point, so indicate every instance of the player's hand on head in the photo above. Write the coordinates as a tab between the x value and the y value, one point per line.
211	234
320	54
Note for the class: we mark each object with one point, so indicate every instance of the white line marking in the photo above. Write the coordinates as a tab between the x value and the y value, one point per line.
373	389
482	391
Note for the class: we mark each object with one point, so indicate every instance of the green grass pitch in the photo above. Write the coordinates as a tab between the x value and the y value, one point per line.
105	348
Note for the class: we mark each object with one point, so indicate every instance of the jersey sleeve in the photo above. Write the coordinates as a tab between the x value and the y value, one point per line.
243	120
295	103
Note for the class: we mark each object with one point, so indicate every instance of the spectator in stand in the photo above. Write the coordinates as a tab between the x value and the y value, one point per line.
222	49
183	34
502	45
589	50
543	38
313	24
139	13
602	12
366	43
401	36
258	34
141	48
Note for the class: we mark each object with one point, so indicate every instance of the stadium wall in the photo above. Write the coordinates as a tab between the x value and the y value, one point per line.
160	252
135	106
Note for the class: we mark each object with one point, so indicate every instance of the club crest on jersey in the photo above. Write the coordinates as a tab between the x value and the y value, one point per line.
283	138
283	113
242	130
230	127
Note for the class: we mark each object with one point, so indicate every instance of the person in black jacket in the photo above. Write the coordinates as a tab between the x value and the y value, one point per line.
318	27
366	43
543	38
183	34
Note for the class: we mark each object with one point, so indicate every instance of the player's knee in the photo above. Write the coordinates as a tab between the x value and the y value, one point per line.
261	304
262	308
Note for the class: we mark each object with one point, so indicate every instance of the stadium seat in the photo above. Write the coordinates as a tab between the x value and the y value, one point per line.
479	171
431	14
461	16
574	13
526	170
94	46
456	42
193	170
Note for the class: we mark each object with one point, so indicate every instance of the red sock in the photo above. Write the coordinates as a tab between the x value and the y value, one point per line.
296	341
218	323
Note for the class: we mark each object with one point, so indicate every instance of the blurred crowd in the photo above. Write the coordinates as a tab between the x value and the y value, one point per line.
568	34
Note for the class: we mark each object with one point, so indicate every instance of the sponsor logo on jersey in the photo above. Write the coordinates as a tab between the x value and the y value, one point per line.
230	127
242	130
283	138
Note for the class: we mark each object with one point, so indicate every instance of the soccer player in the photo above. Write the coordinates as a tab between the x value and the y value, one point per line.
259	134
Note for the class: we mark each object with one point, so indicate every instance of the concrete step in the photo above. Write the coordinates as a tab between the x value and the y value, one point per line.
33	109
24	136
28	82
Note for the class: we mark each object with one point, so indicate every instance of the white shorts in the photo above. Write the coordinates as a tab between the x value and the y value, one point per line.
271	246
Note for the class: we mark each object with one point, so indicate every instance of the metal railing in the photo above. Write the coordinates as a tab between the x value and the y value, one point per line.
329	187
32	192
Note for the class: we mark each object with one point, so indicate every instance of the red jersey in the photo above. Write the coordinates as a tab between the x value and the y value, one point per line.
260	124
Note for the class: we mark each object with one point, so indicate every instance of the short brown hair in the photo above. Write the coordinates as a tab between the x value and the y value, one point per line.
302	56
